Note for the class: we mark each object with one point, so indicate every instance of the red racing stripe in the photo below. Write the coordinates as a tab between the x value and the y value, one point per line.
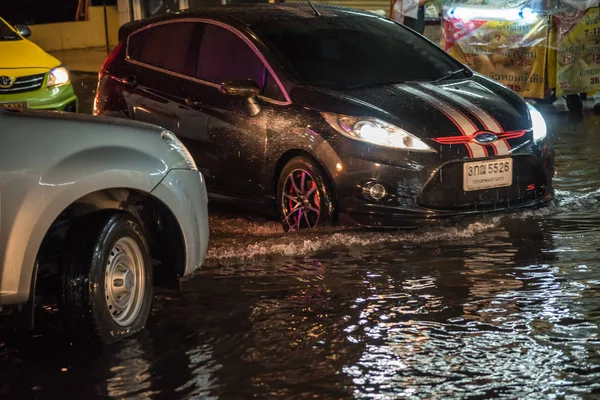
461	121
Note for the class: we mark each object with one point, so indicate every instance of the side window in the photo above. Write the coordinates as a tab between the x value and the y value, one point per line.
224	56
165	46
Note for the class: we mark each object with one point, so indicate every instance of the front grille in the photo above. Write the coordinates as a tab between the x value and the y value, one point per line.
445	190
24	84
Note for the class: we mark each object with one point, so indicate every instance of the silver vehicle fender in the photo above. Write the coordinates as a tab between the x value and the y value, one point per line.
70	180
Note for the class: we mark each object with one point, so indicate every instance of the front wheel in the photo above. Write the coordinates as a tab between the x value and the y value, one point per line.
107	278
304	200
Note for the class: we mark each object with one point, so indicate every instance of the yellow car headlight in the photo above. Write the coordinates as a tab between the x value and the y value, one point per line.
58	76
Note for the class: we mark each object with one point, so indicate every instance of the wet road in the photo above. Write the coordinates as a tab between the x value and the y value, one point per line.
84	85
503	306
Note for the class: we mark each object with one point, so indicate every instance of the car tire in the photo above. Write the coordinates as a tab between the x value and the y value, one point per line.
304	199
575	104
107	278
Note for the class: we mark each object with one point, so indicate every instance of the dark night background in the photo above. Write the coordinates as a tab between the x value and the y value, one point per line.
43	11
38	11
33	12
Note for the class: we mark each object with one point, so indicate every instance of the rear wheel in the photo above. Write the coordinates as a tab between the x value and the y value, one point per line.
107	278
304	200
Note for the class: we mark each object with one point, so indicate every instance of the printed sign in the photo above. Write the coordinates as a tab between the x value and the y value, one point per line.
510	52
578	46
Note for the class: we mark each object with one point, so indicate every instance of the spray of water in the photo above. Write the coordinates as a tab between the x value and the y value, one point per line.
244	249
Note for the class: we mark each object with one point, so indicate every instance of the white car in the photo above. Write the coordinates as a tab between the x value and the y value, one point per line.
92	211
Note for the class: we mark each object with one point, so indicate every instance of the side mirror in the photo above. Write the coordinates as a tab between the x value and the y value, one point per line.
240	88
245	88
23	30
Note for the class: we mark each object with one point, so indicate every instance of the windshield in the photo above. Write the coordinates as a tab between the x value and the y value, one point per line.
6	33
349	51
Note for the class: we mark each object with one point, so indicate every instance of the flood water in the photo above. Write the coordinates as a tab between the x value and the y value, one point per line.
500	306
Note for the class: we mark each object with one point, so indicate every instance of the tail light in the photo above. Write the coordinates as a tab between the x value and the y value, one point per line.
103	70
109	60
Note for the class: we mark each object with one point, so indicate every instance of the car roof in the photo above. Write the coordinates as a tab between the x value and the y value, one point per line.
248	14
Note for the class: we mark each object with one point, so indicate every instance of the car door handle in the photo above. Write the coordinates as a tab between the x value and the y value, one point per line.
193	103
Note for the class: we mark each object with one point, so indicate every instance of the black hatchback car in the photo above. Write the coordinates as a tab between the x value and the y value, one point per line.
328	114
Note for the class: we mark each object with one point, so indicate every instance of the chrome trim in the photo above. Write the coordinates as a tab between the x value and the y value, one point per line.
222	25
166	71
22	88
41	78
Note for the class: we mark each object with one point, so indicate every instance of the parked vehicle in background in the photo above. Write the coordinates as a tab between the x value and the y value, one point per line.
30	77
94	210
329	114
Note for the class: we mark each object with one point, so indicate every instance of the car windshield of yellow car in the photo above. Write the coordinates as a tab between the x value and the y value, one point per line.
6	33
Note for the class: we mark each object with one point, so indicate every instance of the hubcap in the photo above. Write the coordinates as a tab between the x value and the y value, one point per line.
301	200
124	281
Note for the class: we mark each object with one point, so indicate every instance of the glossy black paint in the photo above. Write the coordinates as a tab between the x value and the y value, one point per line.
242	155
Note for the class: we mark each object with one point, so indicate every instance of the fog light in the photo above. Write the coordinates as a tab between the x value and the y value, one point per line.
374	191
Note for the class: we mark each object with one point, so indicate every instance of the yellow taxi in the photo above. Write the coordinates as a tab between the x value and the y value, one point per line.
30	77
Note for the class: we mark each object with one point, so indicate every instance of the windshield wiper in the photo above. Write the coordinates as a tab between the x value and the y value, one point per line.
450	74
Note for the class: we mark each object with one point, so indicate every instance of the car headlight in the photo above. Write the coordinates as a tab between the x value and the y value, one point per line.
180	148
58	76
375	131
540	130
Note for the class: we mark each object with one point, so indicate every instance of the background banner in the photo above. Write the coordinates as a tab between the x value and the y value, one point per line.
578	47
510	52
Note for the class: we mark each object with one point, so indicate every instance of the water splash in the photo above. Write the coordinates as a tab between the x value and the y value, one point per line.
302	244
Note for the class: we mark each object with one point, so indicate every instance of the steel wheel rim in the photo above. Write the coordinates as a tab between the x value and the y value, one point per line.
301	200
124	281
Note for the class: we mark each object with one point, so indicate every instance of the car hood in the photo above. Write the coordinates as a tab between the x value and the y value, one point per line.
79	134
17	54
434	110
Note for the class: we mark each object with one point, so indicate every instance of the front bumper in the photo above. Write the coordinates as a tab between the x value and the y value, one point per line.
423	191
184	193
61	98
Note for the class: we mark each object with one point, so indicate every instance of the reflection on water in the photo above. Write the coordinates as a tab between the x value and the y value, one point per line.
499	306
129	375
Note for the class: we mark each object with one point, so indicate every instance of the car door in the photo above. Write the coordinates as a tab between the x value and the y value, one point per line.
159	56
234	147
193	116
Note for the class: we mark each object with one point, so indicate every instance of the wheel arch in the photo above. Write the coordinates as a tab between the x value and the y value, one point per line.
164	235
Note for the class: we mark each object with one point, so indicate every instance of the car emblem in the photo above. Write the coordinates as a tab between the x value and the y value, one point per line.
5	81
485	137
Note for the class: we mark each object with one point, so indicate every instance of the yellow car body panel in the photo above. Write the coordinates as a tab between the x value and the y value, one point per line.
25	55
22	64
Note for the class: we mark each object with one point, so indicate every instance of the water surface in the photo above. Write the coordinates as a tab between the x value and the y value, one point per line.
500	306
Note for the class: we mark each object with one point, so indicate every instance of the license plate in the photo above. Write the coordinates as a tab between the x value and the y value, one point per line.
487	174
14	106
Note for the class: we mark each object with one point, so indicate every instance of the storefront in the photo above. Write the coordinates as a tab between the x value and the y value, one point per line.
149	8
540	49
381	7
